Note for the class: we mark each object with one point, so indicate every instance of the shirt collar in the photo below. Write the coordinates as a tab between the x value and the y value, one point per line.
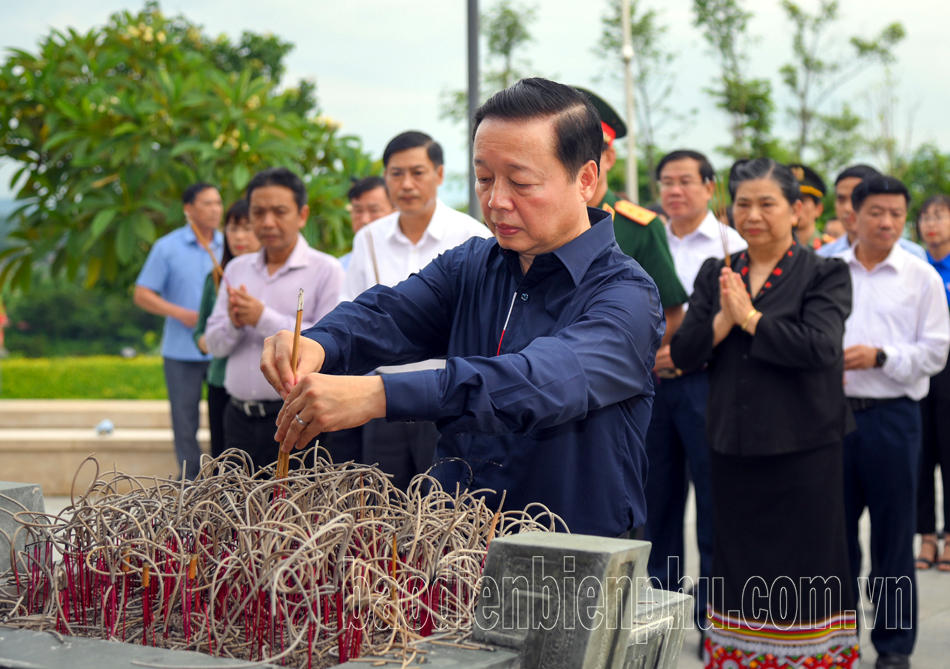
896	259
298	257
709	227
435	229
216	240
576	255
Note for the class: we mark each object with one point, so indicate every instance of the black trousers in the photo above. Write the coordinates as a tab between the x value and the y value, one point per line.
881	471
255	436
935	412
344	445
400	448
217	402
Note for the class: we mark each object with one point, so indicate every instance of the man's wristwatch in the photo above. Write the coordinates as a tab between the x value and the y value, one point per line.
881	358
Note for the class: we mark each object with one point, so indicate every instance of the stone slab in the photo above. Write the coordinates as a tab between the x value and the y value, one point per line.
561	600
14	498
443	657
88	413
26	649
660	624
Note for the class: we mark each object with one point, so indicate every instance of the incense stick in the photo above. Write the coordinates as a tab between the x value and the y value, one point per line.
723	216
217	272
283	458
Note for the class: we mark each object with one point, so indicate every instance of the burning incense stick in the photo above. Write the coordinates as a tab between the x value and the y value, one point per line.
283	459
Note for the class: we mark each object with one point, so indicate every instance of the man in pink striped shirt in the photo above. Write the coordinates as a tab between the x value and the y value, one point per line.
258	298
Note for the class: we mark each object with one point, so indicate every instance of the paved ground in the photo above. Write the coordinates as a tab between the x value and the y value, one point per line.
933	587
933	639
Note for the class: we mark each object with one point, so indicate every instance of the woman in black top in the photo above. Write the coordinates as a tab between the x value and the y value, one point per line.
776	418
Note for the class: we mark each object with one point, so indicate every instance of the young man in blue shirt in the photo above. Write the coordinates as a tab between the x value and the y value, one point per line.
170	285
549	333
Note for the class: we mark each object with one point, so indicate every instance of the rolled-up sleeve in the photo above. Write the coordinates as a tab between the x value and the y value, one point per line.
603	358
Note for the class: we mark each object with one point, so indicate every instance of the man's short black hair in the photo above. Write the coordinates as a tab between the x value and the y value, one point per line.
362	186
861	172
579	137
411	140
192	192
279	176
879	185
706	171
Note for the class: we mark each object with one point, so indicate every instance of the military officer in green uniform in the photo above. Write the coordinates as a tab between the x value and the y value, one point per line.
639	232
813	194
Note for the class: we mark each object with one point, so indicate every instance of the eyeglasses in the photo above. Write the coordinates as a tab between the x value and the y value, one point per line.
938	218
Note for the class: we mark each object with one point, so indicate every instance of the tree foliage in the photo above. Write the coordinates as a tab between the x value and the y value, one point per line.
110	126
653	77
506	30
747	101
813	77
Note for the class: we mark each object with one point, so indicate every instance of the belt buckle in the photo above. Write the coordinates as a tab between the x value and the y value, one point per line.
247	408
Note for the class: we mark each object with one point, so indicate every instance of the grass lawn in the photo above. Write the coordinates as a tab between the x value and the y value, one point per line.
93	377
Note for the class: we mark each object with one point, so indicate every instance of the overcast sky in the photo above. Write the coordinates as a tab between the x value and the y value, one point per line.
380	65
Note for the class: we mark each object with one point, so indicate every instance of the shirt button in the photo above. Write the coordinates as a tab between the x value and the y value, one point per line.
745	357
524	297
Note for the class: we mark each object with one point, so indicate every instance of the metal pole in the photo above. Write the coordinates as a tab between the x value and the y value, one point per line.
633	187
473	208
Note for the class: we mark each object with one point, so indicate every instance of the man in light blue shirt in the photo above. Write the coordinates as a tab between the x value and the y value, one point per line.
844	185
170	285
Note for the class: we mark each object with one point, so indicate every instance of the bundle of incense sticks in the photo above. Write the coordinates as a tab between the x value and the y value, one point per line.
283	458
723	216
340	565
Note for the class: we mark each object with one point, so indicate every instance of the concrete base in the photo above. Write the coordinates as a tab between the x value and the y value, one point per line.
16	497
25	649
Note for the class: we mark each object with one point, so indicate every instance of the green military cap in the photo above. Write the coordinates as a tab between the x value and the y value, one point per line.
614	127
809	181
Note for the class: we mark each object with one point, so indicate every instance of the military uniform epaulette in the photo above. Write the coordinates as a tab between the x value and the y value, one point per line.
634	212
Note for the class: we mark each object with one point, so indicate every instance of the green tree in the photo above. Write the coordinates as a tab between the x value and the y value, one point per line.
505	28
813	78
837	140
653	77
110	126
748	101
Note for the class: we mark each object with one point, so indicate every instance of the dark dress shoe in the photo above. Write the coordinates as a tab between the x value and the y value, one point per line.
892	661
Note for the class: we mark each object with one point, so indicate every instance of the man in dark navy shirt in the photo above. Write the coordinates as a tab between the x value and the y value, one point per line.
549	333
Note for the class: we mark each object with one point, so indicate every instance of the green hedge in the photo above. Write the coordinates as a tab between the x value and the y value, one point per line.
93	377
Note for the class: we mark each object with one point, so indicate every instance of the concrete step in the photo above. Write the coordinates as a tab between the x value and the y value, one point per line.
88	413
51	456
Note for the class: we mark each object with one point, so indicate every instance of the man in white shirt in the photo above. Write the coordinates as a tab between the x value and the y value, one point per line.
844	186
258	298
897	336
386	252
677	435
369	201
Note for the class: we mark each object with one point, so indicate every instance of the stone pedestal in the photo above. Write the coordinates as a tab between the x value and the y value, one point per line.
561	600
16	497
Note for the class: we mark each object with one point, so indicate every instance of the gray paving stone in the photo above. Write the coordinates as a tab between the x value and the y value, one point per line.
25	649
15	497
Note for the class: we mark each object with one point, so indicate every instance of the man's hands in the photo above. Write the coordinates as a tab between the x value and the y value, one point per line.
243	308
327	404
663	359
860	356
275	361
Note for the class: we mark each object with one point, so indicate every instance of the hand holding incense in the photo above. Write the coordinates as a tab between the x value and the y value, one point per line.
283	457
